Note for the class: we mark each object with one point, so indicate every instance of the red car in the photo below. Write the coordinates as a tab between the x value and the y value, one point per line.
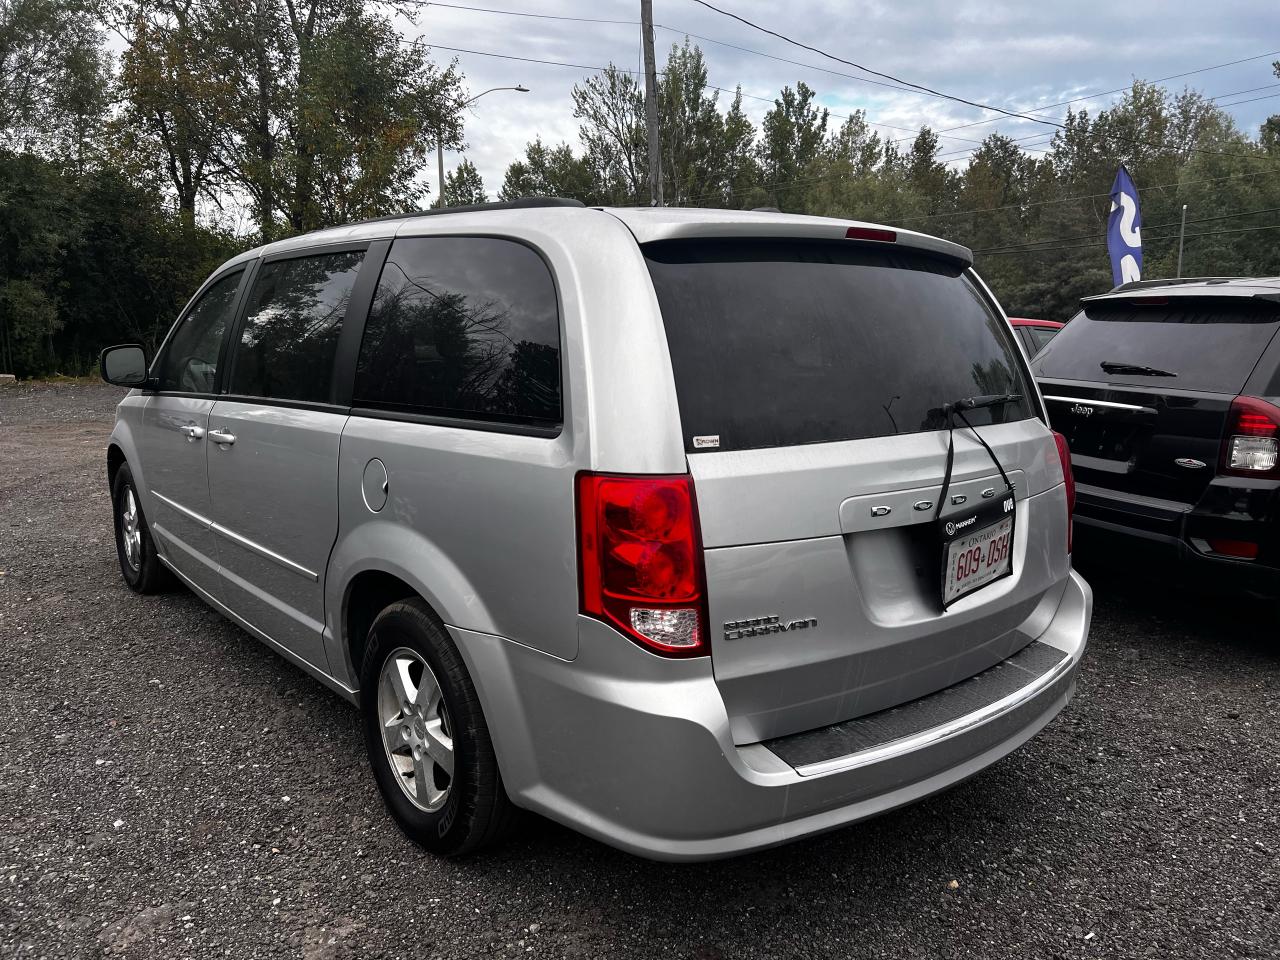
1034	334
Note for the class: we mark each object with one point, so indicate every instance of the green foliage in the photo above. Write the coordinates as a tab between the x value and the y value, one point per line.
315	112
1037	223
53	77
464	185
550	172
87	260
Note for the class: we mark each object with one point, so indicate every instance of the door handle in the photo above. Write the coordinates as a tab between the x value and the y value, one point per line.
222	437
192	432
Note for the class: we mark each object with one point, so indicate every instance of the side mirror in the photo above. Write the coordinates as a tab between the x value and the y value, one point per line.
124	365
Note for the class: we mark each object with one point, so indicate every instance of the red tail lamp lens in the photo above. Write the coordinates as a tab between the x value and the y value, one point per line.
1249	446
1064	455
871	233
1243	549
641	560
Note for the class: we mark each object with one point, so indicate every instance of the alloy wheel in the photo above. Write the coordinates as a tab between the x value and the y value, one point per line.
415	729
131	529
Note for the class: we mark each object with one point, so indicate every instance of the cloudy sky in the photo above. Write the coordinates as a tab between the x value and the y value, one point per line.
1018	55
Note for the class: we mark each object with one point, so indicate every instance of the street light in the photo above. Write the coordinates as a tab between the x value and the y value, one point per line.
518	88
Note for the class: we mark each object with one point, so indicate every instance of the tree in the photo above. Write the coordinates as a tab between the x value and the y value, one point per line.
464	185
610	109
550	172
315	111
792	135
54	77
695	151
88	259
176	103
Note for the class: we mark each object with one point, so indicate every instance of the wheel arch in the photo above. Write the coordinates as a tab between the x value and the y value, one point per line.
367	594
115	460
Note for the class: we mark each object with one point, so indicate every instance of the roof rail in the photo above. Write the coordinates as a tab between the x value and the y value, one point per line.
1169	282
521	203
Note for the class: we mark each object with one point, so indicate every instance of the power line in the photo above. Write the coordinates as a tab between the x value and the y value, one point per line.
1270	96
1220	96
1103	243
1145	227
1008	206
938	93
507	56
1087	196
696	36
1107	93
942	133
535	16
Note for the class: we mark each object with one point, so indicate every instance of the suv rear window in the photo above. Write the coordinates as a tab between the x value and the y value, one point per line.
777	343
1207	343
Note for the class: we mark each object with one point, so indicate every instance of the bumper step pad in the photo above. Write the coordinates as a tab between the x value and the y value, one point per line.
916	716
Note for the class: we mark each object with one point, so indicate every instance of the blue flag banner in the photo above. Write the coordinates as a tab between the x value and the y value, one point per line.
1124	230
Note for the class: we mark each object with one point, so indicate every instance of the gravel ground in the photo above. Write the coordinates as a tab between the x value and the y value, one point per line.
172	789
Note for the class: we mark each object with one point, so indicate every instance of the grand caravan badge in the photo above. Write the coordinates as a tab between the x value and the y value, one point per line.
762	626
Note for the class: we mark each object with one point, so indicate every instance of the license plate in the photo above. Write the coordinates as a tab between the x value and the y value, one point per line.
974	560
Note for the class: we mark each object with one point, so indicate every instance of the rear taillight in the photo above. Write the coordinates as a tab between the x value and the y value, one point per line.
1249	446
1243	549
641	560
1064	456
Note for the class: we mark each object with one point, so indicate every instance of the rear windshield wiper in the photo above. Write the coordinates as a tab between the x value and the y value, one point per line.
1114	366
990	400
945	412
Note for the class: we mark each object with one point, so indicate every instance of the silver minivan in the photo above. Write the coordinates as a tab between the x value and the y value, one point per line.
695	530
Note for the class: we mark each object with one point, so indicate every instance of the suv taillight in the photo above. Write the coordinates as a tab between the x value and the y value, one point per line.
1249	446
1064	455
641	560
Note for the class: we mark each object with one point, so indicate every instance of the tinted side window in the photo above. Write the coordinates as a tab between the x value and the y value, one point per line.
190	362
465	327
1041	336
291	327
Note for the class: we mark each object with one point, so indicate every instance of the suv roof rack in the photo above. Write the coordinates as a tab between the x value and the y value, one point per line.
1170	282
522	203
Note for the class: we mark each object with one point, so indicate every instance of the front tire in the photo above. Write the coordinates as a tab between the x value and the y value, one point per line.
139	564
426	736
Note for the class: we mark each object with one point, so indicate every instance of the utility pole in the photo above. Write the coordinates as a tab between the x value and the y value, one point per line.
1182	233
651	103
440	166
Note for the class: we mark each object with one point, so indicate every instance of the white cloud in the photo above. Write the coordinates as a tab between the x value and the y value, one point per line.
1016	55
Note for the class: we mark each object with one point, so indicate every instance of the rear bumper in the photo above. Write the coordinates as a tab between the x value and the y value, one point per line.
636	750
1159	535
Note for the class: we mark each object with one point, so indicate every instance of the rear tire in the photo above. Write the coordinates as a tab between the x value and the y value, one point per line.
139	563
426	736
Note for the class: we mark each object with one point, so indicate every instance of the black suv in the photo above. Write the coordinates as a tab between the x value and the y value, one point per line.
1168	393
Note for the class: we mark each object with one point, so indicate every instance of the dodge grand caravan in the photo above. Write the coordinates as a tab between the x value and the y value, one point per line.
697	531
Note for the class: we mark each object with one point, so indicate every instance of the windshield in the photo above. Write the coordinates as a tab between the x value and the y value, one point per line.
776	343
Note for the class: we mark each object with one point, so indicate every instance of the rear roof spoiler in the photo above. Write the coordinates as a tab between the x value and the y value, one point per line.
1171	282
650	224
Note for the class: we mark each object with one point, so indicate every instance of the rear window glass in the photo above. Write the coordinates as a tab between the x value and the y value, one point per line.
777	343
1192	343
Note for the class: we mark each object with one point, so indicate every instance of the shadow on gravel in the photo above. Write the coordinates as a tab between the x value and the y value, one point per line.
1159	600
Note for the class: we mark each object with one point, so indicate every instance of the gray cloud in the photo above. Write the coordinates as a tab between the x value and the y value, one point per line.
1016	55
